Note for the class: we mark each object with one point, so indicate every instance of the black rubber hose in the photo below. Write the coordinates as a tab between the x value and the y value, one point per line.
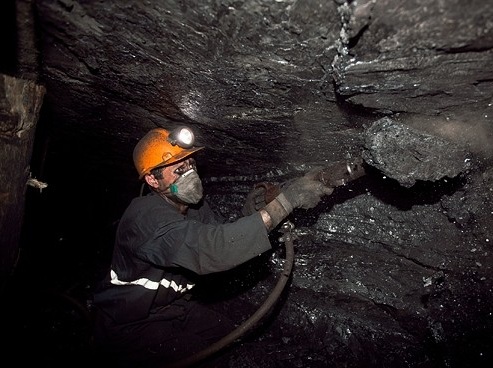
254	318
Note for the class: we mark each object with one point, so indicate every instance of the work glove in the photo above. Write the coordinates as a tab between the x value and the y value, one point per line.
259	196
307	191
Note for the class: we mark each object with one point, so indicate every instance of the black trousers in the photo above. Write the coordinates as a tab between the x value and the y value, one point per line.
168	335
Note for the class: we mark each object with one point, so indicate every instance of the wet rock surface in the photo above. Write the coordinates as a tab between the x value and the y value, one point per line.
384	275
392	270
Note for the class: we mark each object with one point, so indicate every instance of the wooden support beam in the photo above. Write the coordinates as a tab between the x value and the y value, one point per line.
20	104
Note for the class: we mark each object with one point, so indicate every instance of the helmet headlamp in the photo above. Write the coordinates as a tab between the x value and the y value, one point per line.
182	136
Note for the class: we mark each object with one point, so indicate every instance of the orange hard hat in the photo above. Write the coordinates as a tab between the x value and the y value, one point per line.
158	148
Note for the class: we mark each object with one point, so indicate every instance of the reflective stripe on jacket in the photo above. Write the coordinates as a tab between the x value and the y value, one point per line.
159	252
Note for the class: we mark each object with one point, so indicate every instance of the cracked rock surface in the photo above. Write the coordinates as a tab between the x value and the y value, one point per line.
391	270
407	155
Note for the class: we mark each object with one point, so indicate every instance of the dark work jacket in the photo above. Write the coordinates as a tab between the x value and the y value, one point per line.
157	249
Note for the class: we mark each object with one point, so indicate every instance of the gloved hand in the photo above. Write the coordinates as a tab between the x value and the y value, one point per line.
307	191
255	200
304	192
259	196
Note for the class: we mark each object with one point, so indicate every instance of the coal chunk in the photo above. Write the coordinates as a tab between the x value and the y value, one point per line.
408	155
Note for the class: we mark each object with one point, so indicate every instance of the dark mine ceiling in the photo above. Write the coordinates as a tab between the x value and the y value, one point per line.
392	270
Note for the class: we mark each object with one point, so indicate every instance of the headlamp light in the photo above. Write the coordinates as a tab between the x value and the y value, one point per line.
182	136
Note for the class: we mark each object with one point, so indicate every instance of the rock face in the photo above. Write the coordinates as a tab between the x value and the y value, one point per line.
406	155
392	270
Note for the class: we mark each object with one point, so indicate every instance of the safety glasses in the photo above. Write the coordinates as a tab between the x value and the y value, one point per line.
185	166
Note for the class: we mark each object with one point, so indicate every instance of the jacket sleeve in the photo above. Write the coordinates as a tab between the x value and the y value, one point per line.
208	247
